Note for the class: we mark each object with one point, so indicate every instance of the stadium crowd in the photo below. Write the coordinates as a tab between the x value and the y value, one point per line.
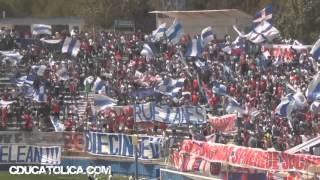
252	78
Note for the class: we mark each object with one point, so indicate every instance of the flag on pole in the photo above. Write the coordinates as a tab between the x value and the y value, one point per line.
58	126
40	94
174	32
98	86
194	48
285	107
39	70
171	87
71	46
263	15
159	32
261	33
38	29
234	106
207	35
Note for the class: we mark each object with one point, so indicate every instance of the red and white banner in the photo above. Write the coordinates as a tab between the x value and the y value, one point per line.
246	157
226	123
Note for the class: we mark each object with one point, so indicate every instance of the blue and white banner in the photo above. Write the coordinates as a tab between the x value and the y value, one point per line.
38	29
315	51
51	41
71	46
219	89
170	115
174	32
113	144
27	154
194	48
207	35
264	15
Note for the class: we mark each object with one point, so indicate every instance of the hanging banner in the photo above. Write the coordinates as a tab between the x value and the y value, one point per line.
170	115
113	144
226	123
26	154
249	157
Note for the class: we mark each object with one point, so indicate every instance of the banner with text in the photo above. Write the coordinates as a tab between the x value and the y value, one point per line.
26	154
113	144
248	157
171	115
226	123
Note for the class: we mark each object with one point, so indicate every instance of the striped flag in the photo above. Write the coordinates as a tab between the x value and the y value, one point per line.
207	35
315	51
263	15
99	86
71	46
40	94
285	107
234	107
170	87
147	51
194	48
174	32
262	32
159	32
102	102
38	29
313	90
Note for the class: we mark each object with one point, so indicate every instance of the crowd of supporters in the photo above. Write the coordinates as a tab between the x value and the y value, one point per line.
251	78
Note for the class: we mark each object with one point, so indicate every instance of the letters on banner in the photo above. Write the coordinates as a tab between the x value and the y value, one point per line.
248	157
112	144
171	115
27	154
226	123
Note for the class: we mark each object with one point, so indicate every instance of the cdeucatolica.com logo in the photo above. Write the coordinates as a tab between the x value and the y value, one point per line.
60	170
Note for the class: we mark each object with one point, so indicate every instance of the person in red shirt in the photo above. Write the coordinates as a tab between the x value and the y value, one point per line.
28	121
68	124
56	109
4	117
195	98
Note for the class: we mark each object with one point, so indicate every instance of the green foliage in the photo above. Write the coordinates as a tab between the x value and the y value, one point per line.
298	19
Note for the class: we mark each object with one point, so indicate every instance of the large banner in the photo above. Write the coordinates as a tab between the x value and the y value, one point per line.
34	138
112	144
226	123
171	115
27	154
248	157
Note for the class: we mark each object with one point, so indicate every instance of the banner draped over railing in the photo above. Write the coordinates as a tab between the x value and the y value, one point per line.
243	157
113	144
28	154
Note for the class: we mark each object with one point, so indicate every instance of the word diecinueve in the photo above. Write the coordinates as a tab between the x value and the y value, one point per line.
59	170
